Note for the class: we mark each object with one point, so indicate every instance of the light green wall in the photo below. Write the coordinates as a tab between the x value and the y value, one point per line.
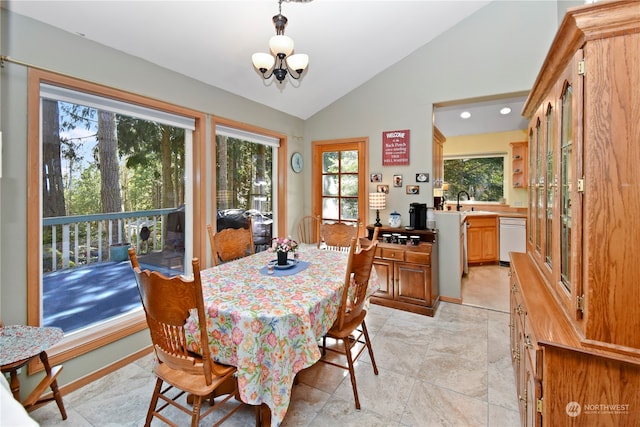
497	50
494	143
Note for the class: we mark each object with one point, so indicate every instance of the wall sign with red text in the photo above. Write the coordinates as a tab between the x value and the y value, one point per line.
395	148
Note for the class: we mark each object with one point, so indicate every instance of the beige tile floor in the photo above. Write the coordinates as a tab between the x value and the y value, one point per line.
453	369
487	286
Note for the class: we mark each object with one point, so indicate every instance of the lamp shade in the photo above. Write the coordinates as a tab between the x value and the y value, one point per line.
377	200
263	61
298	62
281	45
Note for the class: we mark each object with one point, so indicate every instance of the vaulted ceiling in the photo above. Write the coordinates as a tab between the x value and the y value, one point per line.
348	41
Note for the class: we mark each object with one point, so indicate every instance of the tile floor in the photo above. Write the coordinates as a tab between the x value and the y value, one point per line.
453	369
487	286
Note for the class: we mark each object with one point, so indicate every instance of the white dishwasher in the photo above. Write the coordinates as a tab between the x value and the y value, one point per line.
513	237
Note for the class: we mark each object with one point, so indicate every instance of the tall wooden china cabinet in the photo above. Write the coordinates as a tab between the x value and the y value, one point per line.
575	294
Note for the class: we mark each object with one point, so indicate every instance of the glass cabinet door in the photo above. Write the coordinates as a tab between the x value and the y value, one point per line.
540	178
566	178
550	186
532	180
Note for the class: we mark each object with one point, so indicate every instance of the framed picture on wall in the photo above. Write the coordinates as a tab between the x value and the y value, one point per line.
413	189
397	180
376	177
422	177
382	189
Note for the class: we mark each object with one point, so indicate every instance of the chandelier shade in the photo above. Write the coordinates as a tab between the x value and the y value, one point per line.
281	45
280	62
298	62
263	61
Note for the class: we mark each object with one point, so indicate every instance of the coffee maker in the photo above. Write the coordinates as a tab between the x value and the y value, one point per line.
418	216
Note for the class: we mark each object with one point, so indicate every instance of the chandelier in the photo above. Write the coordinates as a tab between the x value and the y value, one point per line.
280	61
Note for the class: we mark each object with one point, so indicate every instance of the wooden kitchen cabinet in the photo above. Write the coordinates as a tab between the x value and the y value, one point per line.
438	158
482	239
407	275
519	164
574	306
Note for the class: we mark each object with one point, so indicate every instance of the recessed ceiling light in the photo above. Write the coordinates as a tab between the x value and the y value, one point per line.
465	114
505	110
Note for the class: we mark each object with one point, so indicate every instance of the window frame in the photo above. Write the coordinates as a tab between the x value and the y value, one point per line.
350	144
279	170
115	329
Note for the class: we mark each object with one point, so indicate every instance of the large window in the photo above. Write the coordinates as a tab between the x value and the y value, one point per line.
481	177
113	173
244	181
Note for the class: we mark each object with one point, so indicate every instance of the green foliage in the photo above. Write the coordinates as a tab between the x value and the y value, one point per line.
482	178
349	161
84	198
143	189
248	164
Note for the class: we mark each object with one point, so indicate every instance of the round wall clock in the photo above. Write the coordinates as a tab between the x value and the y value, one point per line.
296	162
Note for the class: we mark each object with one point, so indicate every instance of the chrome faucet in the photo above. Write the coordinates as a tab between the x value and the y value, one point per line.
458	206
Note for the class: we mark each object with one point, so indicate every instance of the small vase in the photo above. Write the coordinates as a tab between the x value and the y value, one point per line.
282	258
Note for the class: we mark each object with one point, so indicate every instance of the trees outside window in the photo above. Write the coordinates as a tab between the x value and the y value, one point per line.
481	177
104	164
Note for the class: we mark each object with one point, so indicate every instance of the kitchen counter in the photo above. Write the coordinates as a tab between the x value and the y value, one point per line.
464	214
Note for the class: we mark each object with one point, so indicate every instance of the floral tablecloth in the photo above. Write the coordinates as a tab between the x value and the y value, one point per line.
268	326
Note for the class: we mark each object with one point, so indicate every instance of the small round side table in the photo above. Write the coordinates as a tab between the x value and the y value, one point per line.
20	344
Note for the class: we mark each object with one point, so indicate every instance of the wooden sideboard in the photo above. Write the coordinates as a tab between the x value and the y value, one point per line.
408	274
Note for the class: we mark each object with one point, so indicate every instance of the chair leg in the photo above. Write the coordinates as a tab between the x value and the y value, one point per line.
258	417
369	348
352	373
195	413
154	402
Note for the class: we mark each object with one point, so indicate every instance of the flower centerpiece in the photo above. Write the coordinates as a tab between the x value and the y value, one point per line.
282	246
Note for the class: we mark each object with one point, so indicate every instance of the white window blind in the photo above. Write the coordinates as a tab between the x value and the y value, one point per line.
57	93
247	136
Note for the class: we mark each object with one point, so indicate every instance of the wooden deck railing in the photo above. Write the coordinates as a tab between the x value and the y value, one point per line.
74	241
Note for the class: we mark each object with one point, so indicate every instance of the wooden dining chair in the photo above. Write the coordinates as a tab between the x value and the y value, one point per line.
167	304
231	243
336	236
365	242
350	328
308	229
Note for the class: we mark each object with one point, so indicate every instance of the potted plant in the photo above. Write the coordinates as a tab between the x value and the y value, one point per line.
282	246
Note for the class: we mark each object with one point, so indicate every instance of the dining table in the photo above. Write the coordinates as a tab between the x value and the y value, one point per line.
268	322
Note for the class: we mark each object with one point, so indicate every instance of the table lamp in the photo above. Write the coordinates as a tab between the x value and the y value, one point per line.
377	201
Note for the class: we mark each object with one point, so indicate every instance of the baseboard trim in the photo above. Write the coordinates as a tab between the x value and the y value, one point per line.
450	299
95	375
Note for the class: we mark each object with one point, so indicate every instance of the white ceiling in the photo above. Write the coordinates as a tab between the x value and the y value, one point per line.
348	41
485	116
